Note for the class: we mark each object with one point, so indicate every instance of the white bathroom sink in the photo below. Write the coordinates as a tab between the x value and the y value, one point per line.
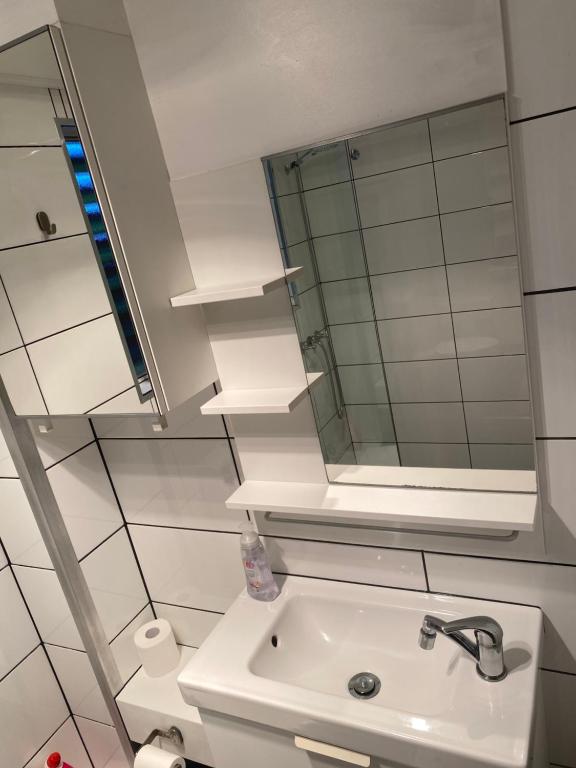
287	665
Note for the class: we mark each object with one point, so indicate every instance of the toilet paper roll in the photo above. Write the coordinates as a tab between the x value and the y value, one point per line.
157	648
153	757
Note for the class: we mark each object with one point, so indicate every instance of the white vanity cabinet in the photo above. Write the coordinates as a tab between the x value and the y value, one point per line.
91	249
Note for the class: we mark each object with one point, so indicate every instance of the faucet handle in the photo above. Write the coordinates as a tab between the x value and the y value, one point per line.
485	624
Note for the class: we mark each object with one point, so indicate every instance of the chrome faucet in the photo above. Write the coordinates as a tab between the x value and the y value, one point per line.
487	650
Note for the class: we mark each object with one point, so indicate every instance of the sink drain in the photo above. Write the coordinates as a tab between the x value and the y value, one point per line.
364	685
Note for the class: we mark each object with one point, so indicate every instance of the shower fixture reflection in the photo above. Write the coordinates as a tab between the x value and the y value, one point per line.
316	341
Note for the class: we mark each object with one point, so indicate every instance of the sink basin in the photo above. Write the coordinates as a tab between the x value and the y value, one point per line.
287	665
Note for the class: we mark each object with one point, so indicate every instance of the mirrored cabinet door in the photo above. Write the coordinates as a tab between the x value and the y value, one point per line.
69	342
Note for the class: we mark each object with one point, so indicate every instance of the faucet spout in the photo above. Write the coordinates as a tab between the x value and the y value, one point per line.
487	650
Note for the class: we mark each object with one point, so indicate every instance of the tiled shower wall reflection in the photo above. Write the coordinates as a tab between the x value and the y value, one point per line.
406	236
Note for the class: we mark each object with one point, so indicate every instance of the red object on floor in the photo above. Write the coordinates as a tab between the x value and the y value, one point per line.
55	761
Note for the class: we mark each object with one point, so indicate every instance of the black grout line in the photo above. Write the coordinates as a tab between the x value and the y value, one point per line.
65	458
186	528
52	101
132	676
541	115
430	314
41	242
434	360
554	563
125	627
544	439
190	608
568	289
69	328
425	571
41	747
22	660
131	543
91	551
90	412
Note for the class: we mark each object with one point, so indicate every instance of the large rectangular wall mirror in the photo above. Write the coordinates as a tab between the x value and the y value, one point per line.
409	300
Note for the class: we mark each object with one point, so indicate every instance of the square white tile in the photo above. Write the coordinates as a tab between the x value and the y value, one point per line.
559	704
54	285
79	683
551	319
494	378
331	209
27	116
127	402
36	179
123	648
292	222
9	334
487	284
430	381
434	455
175	564
16	629
407	245
339	256
18	529
417	338
489	332
545	158
18	377
103	744
174	482
397	196
345	562
81	367
348	301
557	486
540	58
502	456
31	709
472	129
322	166
363	383
407	294
429	423
355	343
191	626
115	583
370	423
67	741
507	422
481	233
66	436
473	180
183	421
390	149
550	587
376	454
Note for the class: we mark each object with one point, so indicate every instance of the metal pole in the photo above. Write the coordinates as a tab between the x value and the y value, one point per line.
25	455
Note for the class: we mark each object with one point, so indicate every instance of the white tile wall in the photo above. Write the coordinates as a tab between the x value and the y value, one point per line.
504	456
433	381
429	422
101	368
191	626
406	245
499	422
339	256
194	569
331	209
27	116
347	301
556	462
355	343
559	702
406	294
20	382
397	196
174	482
378	454
545	151
67	741
480	233
390	149
9	334
102	743
434	455
417	338
494	378
31	709
327	166
487	284
464	131
17	631
489	332
36	180
473	180
367	565
79	683
292	219
370	423
363	383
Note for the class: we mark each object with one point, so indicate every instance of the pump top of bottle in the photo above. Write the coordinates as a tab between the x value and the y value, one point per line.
54	760
249	538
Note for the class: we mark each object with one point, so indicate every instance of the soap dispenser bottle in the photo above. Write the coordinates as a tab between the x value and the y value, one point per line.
259	578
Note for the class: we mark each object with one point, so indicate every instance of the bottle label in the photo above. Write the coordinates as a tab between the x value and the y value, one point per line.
253	574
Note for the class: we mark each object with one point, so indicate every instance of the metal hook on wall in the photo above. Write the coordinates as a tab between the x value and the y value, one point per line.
45	224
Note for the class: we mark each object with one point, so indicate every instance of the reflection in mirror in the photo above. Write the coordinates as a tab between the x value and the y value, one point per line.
410	297
67	340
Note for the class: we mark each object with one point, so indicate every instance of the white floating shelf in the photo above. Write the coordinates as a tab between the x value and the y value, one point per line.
394	507
241	290
273	400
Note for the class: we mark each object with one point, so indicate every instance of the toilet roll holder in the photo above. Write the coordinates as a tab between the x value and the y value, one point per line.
173	734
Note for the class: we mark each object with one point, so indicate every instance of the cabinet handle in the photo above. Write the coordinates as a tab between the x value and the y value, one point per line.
329	750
